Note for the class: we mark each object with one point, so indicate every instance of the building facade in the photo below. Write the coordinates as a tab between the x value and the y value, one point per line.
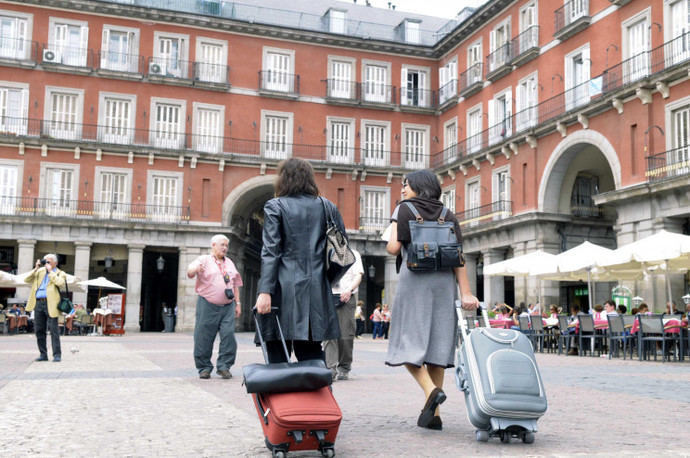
131	131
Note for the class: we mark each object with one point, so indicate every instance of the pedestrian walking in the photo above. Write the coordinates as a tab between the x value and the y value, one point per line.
46	280
339	352
385	321
293	266
359	319
376	320
424	325
217	307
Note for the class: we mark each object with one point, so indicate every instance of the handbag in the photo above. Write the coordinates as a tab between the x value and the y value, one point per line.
433	245
65	304
339	255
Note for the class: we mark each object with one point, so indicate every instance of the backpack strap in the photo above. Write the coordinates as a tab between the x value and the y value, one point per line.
414	211
442	218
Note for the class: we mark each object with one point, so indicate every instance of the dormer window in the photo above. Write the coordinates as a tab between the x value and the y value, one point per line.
412	31
336	21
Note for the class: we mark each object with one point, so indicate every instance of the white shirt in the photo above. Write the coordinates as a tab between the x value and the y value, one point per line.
347	281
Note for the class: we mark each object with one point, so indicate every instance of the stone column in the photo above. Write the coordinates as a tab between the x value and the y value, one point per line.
521	282
186	296
494	286
390	280
82	257
25	262
135	262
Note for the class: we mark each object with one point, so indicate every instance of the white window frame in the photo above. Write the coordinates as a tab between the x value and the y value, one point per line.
424	162
208	144
413	33
164	214
376	98
337	23
423	93
16	125
155	140
448	80
500	213
497	58
678	47
532	39
580	96
636	62
56	132
499	130
448	197
57	207
208	71
106	209
532	4
132	57
8	204
332	155
378	224
450	153
341	89
474	139
103	135
678	155
473	213
74	57
265	151
474	67
281	83
12	51
182	58
526	114
375	162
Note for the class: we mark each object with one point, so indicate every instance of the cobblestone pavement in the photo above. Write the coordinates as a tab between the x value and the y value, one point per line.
139	395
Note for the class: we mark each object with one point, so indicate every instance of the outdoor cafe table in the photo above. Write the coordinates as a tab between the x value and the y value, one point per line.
507	323
671	326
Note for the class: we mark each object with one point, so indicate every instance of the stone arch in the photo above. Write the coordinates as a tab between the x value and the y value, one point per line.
560	159
257	187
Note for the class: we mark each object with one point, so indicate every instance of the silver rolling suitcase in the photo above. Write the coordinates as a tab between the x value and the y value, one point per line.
498	373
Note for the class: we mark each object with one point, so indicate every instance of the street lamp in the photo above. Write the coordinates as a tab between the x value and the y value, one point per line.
160	263
686	299
372	271
637	300
108	262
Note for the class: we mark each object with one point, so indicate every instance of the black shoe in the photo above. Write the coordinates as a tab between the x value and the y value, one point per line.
41	358
436	397
224	374
57	359
435	423
205	375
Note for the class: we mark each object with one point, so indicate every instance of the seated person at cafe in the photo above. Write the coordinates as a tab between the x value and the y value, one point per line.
622	309
79	312
15	310
599	314
534	309
610	309
644	309
502	312
572	323
553	311
672	306
521	310
634	311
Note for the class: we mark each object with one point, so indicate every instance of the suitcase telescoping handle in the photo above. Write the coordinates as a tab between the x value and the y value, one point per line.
280	331
461	320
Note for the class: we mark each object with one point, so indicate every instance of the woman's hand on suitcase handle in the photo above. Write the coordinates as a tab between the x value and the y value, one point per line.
469	302
263	303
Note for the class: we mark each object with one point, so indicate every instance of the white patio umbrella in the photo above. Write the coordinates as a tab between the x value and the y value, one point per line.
100	283
521	266
8	280
72	281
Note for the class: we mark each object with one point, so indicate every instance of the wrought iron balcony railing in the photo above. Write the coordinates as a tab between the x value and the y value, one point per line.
20	50
669	164
499	57
206	72
120	62
346	90
586	211
471	79
525	41
497	210
169	67
448	91
420	98
71	56
281	82
570	13
377	93
92	210
373	223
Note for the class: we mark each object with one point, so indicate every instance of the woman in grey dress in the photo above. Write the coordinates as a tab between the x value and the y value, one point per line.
424	322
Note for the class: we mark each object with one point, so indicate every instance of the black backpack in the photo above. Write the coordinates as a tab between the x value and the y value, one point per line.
434	245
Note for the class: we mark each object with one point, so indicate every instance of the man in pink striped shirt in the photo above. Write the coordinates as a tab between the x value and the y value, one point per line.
217	284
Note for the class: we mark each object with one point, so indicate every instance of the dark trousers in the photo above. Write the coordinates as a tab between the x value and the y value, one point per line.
212	319
360	327
42	321
304	349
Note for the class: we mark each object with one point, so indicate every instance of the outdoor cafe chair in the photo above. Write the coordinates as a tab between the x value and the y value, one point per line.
4	324
589	333
652	331
524	325
628	321
618	335
538	332
564	335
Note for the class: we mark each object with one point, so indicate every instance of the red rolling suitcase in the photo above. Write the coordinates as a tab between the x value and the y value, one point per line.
297	420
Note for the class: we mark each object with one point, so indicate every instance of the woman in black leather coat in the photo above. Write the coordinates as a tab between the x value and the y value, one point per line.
293	266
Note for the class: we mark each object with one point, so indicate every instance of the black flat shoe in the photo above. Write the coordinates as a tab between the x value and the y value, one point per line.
436	397
435	423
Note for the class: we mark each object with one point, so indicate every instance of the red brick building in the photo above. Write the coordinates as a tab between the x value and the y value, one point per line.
134	130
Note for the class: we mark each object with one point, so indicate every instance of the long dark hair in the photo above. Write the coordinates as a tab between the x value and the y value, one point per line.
424	183
295	176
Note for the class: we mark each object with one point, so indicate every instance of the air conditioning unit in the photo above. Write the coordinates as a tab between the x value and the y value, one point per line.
156	69
50	56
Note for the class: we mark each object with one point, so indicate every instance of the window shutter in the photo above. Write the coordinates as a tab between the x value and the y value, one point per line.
104	47
509	114
83	45
492	113
422	89
403	87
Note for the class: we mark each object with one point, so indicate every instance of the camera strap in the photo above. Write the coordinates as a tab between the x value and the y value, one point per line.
221	267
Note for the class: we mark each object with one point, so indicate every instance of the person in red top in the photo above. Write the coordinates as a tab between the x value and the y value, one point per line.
217	284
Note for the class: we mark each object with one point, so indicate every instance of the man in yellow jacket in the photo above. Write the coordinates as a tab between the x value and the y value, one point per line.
46	280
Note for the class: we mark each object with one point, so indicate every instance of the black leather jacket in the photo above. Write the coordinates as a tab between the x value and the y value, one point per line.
293	269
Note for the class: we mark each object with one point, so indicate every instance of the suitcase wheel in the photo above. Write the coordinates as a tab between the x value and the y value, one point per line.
328	452
528	438
278	454
505	437
482	436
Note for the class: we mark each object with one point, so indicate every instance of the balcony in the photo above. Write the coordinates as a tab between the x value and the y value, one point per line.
417	98
212	76
626	72
279	84
501	130
588	210
525	46
447	156
67	59
494	211
92	210
18	52
373	223
498	63
342	91
471	80
378	94
124	65
571	18
620	2
448	93
670	164
169	70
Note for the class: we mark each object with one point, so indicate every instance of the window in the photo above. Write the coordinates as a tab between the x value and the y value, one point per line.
10	184
336	21
120	49
165	195
474	130
170	53
500	46
211	61
58	188
474	63
276	130
636	48
450	141
680	28
412	32
415	91
415	146
500	117
679	157
576	78
15	35
113	192
340	84
448	80
375	143
501	193
208	127
472	203
14	108
375	208
581	202
277	72
69	42
340	140
376	88
526	103
116	117
64	113
167	123
448	199
575	9
529	31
